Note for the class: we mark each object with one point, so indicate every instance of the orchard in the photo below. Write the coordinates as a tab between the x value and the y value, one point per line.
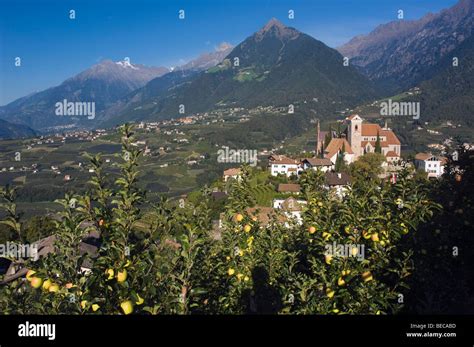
164	258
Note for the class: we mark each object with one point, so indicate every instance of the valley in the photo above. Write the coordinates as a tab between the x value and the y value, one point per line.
181	155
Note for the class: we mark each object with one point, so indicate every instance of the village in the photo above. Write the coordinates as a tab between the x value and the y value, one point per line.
359	139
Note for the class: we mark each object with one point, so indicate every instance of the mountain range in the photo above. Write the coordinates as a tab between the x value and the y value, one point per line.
103	83
161	85
401	54
106	84
208	59
277	66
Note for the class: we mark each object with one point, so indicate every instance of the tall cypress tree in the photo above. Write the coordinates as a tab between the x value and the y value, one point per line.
340	158
339	162
378	147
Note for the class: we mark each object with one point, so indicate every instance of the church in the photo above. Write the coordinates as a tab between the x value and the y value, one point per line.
361	138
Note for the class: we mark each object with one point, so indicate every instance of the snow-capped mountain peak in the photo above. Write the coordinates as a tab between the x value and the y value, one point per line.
126	64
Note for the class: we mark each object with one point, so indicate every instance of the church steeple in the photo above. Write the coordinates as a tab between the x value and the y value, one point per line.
318	130
355	134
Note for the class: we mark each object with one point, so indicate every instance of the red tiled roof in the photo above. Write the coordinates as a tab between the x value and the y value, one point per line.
369	129
232	172
392	139
426	156
423	156
264	214
281	159
392	154
336	145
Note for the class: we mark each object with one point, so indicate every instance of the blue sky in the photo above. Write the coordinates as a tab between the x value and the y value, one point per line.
53	47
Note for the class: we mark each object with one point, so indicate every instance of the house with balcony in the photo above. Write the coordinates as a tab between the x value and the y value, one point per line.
431	164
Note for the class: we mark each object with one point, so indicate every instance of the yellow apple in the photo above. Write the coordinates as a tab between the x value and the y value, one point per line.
111	273
127	307
122	275
328	259
47	284
140	300
53	288
30	274
330	293
367	276
326	236
36	282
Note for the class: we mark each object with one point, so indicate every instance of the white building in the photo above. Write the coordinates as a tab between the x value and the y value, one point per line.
291	208
338	182
282	165
431	164
323	164
234	173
